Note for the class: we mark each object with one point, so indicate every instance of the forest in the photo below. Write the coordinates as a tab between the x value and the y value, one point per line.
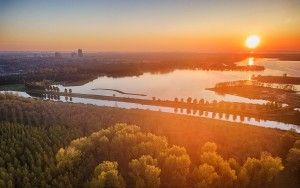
56	144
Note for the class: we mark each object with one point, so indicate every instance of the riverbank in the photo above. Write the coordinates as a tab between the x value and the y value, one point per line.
274	112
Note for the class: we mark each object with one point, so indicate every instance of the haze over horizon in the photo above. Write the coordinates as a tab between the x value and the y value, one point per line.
135	26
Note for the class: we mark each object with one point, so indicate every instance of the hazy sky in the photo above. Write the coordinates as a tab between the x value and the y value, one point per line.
149	25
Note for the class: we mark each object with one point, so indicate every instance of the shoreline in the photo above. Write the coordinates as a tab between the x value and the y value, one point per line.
258	92
283	114
119	91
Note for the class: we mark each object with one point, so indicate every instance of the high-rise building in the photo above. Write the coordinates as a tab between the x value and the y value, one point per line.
80	54
57	55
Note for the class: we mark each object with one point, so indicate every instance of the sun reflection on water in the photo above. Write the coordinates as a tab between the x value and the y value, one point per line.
250	61
250	77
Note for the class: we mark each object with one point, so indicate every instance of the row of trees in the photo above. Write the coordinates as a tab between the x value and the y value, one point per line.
272	111
272	105
66	90
286	87
54	97
44	85
52	88
220	115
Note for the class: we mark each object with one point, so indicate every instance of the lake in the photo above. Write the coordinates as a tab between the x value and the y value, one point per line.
185	83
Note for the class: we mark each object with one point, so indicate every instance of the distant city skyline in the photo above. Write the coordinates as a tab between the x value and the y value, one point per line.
141	26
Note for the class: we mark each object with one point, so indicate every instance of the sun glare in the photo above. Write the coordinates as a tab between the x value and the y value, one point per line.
252	41
250	61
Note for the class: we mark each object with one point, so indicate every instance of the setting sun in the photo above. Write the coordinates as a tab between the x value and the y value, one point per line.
252	41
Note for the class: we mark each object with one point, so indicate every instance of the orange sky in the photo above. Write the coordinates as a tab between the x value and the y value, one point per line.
149	26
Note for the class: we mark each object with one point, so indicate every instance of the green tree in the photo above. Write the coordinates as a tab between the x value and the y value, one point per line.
175	165
144	172
204	176
259	172
209	156
293	159
106	175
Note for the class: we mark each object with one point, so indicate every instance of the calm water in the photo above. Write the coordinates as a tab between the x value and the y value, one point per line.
186	83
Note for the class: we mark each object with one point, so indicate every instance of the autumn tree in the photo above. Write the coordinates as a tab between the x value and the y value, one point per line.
217	167
204	176
293	159
175	165
259	172
106	175
144	172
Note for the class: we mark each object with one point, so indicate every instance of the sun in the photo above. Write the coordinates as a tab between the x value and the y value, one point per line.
252	41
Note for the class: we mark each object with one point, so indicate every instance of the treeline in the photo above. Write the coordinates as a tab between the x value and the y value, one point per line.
68	70
277	79
127	145
240	83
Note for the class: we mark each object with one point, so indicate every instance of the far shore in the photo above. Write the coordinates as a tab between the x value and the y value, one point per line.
278	79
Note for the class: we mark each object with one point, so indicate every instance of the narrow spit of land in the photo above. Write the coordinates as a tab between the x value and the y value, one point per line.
278	79
263	112
119	91
258	92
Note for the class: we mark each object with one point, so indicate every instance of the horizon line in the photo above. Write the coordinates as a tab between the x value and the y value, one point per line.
149	51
